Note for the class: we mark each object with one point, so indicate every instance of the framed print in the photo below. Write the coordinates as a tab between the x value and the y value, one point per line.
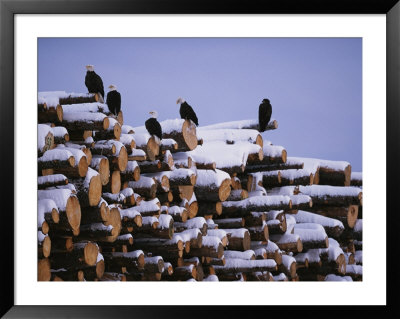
180	143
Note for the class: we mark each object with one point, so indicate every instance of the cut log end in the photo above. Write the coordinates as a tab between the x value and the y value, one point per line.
95	190
224	190
44	273
73	212
189	134
90	253
82	166
284	156
152	148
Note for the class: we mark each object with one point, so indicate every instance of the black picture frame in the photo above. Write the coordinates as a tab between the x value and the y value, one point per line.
8	9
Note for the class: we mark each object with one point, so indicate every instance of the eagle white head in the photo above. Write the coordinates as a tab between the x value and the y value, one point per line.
112	87
153	114
90	67
180	101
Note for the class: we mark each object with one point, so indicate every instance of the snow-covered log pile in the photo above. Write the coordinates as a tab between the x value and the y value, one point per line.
213	203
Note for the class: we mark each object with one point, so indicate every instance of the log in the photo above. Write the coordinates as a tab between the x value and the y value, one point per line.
221	234
259	276
168	145
45	138
325	196
347	215
149	144
181	177
149	208
76	99
165	198
161	180
150	166
212	185
333	227
130	198
81	136
52	181
101	164
114	185
179	214
288	267
131	173
272	167
311	235
119	160
334	176
88	189
238	239
356	179
153	264
48	214
131	260
288	242
255	204
95	214
128	141
54	159
52	114
245	255
167	249
105	148
112	132
296	177
82	254
145	187
259	232
271	250
197	222
44	273
209	208
237	194
265	179
276	222
235	265
85	121
211	247
230	223
184	273
182	131
163	228
183	192
68	207
83	148
44	245
61	135
255	219
78	170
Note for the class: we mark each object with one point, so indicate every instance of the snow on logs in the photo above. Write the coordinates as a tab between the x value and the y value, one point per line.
52	181
45	138
335	201
212	185
113	131
62	160
68	207
256	204
89	189
230	136
242	124
85	121
147	143
181	131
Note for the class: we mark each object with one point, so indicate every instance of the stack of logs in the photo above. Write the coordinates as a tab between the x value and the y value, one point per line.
114	204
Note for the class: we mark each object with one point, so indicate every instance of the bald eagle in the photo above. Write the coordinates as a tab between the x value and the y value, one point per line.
113	100
93	81
153	126
187	112
264	114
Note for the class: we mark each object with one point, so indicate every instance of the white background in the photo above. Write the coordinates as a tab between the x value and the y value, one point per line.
372	28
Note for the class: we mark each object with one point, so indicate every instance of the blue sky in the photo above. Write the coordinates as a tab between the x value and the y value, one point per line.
314	84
